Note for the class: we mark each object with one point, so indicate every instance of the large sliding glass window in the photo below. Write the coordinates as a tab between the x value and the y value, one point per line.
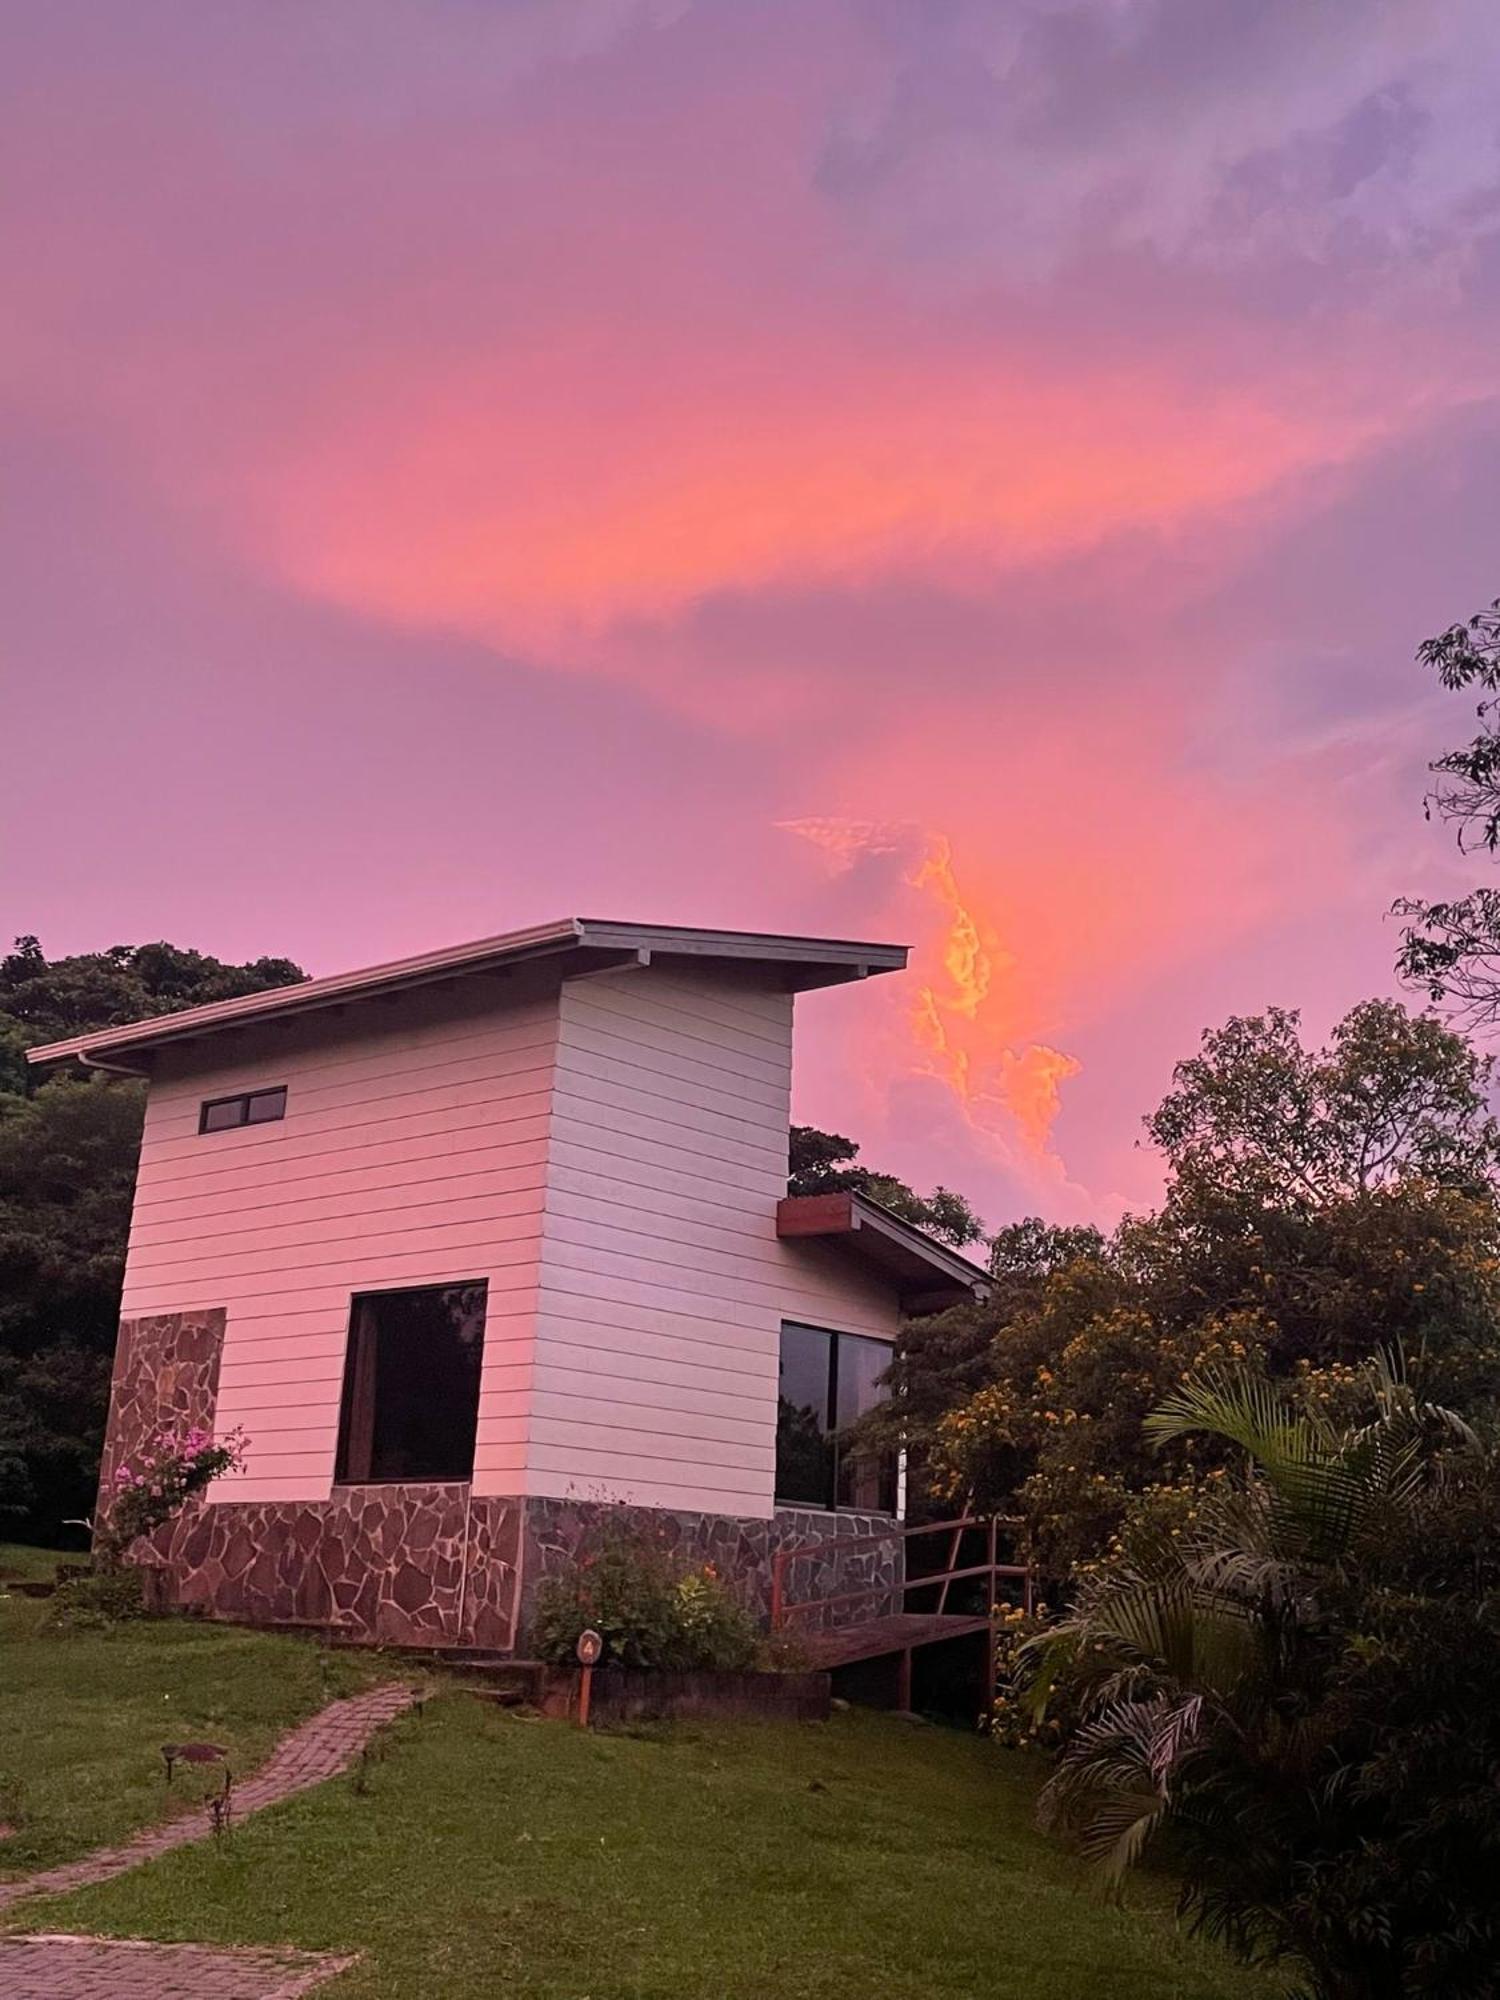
828	1381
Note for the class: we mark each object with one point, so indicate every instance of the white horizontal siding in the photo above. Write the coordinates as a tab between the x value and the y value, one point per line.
663	1284
413	1152
608	1160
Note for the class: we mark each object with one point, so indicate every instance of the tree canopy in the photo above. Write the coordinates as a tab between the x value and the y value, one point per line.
1394	1094
1452	949
828	1163
1318	1201
68	1147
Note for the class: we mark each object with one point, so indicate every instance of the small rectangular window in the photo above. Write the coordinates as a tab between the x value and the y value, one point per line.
251	1107
827	1382
411	1385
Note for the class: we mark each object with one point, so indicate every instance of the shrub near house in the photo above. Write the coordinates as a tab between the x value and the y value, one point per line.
651	1609
147	1493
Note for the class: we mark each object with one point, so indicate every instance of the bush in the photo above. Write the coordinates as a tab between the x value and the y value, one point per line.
168	1472
98	1598
1014	1722
650	1608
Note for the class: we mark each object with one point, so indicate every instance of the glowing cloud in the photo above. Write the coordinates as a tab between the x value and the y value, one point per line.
964	1022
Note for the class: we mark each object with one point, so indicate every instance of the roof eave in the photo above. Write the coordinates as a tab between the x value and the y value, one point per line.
926	1274
810	962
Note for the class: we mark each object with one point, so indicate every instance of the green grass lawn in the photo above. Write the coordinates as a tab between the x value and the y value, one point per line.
490	1855
83	1715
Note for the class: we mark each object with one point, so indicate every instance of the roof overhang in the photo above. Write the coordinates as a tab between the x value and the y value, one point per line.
581	944
927	1275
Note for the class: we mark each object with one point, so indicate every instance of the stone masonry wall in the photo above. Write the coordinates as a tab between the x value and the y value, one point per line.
740	1550
166	1377
418	1565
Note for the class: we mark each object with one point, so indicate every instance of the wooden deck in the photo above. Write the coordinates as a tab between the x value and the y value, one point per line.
874	1637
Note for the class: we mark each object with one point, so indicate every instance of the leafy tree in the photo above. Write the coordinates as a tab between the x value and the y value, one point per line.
49	1000
1313	1196
67	1171
1395	1094
1453	948
68	1148
1026	1253
943	1359
1297	1689
827	1163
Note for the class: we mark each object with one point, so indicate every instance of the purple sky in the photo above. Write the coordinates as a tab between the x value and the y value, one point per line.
967	473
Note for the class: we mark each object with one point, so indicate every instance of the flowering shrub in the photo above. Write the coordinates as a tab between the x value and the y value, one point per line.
1014	1721
150	1490
650	1608
713	1627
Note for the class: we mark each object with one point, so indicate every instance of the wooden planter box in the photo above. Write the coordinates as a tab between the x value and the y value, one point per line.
630	1694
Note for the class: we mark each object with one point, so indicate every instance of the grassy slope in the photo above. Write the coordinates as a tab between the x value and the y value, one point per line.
83	1715
488	1855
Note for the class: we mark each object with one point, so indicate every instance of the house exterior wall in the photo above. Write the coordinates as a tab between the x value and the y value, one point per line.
663	1283
607	1154
413	1152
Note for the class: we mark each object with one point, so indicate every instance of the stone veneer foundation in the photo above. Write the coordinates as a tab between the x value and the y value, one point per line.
431	1564
741	1550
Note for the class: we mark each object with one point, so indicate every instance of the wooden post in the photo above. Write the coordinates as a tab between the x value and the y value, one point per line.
903	1683
590	1650
954	1548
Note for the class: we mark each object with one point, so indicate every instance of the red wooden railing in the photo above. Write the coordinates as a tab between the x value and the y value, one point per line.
784	1608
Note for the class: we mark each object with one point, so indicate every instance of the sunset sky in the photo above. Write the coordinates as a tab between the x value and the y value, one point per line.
969	472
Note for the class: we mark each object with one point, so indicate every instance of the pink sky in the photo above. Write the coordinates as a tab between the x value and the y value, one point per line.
972	473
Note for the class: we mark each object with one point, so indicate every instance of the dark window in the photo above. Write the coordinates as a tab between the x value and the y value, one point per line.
827	1381
251	1107
411	1384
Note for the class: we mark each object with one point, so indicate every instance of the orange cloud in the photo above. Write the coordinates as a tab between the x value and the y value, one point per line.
964	1020
491	499
960	1018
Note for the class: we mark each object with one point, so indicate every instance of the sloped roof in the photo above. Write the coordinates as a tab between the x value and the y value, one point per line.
582	943
928	1275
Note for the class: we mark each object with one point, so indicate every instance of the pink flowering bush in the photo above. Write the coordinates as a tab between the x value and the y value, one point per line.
149	1489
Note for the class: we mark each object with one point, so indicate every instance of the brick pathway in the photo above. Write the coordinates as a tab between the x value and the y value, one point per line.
82	1968
319	1749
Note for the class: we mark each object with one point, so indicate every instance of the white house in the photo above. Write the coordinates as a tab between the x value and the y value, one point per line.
476	1243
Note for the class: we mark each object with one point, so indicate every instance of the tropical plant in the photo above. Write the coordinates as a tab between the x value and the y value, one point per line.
1295	1692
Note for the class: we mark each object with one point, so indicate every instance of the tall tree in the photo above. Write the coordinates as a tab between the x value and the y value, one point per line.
1317	1198
828	1163
44	1000
1393	1095
1452	949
